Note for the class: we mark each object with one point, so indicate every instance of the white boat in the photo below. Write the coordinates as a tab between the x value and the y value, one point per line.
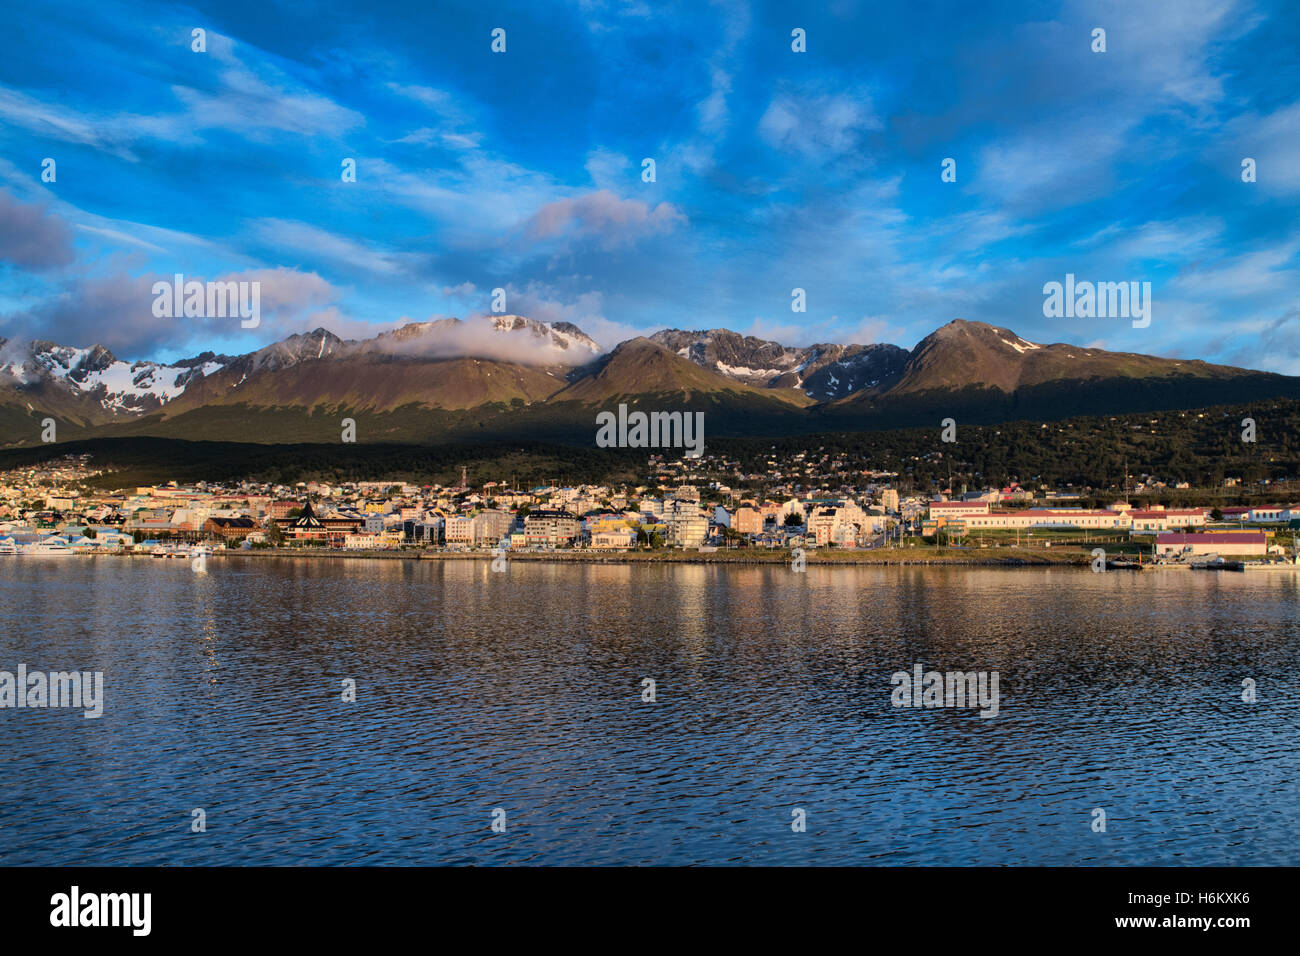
7	546
50	547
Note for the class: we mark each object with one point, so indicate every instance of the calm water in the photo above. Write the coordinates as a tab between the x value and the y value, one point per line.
523	691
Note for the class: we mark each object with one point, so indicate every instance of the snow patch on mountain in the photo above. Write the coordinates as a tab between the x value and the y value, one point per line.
118	386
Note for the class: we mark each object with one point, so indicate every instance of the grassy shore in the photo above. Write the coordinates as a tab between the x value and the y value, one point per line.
1005	557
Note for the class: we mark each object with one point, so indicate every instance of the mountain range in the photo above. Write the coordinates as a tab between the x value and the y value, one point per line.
511	376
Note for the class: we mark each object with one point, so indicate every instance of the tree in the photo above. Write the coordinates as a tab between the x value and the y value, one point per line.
793	520
1216	514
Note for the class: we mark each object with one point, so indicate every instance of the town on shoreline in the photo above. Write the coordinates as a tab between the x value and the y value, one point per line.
54	508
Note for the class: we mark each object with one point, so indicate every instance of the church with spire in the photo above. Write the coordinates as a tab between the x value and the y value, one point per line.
329	528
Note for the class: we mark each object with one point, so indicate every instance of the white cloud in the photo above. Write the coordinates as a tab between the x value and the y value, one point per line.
823	125
604	216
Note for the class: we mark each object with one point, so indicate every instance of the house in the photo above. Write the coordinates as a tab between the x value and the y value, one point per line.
111	538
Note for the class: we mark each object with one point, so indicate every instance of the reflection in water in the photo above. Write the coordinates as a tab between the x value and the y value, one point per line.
523	690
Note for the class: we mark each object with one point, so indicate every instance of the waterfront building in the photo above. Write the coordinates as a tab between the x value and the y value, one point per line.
619	539
1229	543
687	530
229	528
490	526
459	529
1048	518
550	529
304	527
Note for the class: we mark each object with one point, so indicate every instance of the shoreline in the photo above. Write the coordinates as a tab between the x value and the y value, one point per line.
882	557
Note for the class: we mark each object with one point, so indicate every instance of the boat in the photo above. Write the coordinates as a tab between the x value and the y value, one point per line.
7	546
1125	564
50	547
1215	562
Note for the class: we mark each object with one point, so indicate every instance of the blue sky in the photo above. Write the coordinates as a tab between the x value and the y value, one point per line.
775	169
